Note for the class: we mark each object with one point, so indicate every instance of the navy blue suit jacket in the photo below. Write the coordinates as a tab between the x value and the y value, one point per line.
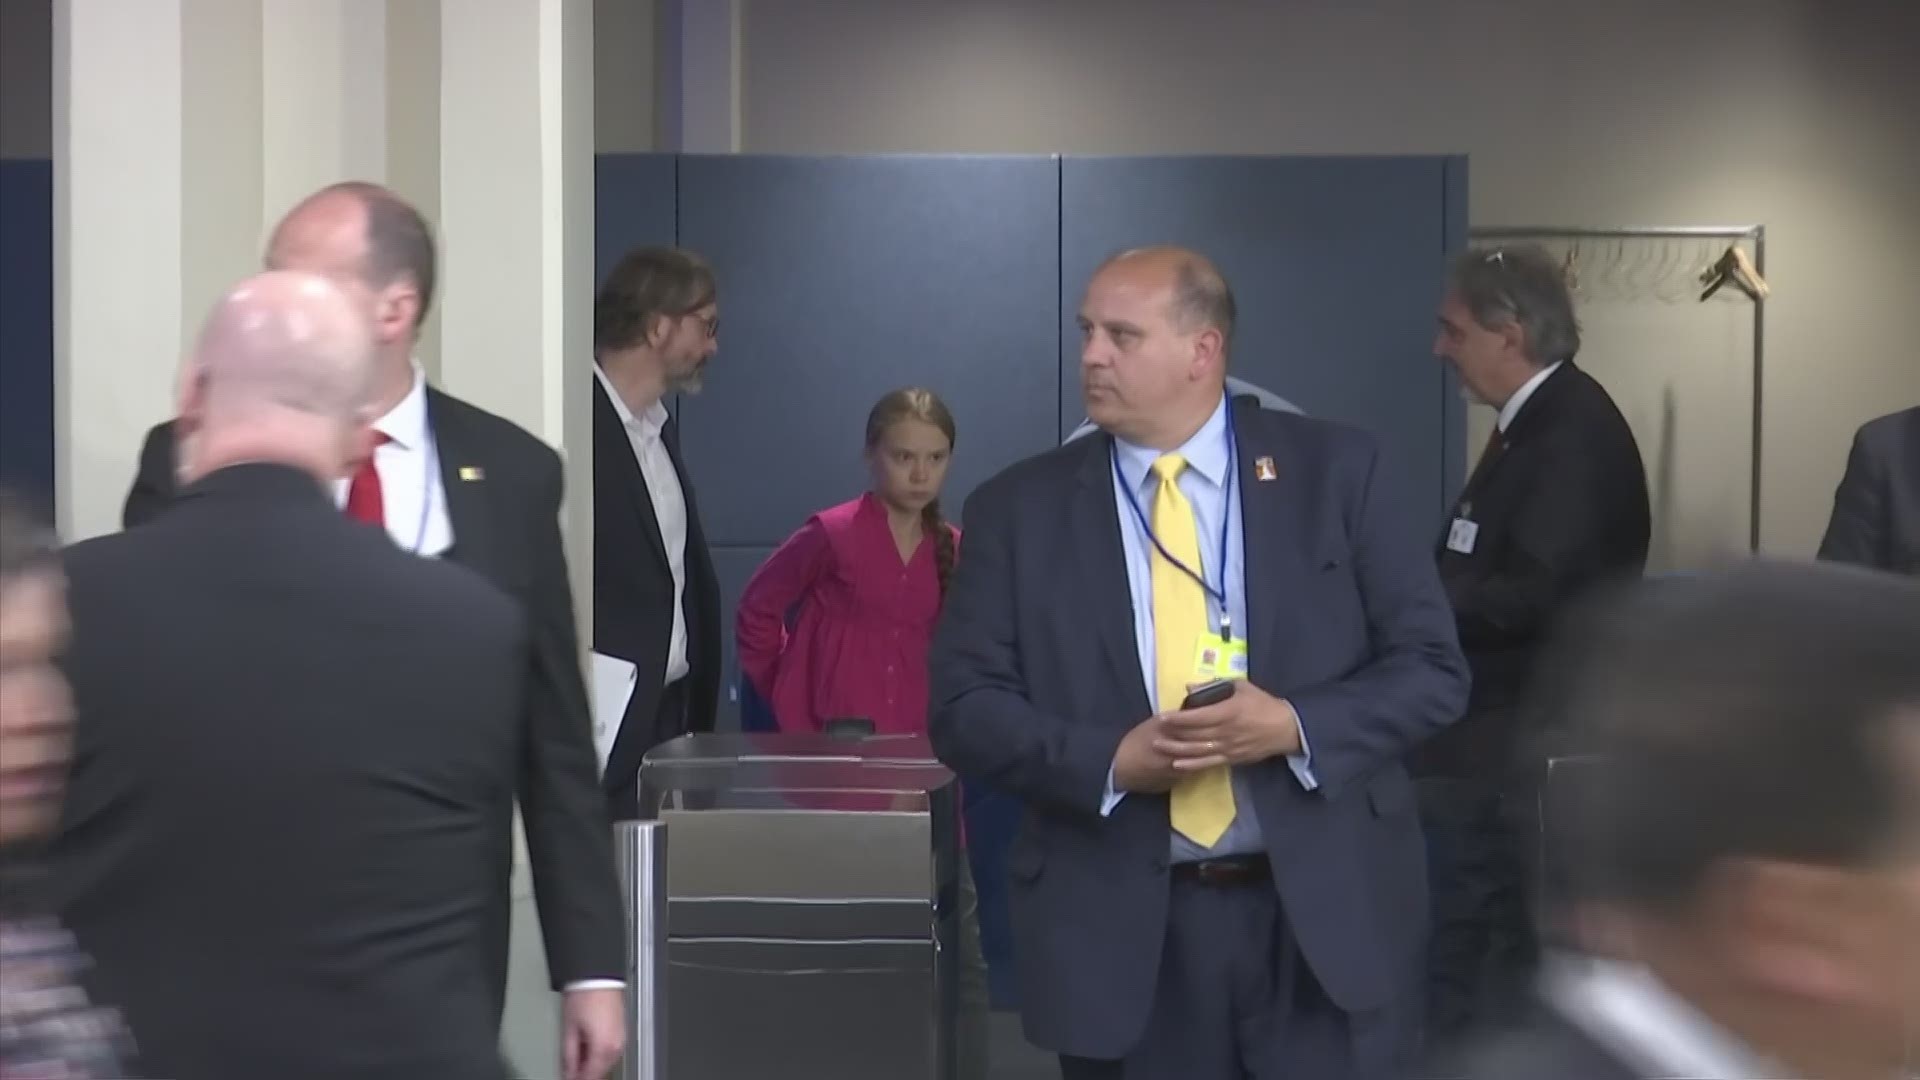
1035	679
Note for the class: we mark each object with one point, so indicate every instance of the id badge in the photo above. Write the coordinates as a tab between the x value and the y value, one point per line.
1215	658
1461	535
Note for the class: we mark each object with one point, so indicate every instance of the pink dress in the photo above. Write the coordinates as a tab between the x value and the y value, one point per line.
861	623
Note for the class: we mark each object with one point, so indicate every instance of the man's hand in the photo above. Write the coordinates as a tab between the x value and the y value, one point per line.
1138	766
593	1032
1251	725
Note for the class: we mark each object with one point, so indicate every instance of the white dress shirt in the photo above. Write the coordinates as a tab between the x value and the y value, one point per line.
669	509
413	496
1625	1009
1519	399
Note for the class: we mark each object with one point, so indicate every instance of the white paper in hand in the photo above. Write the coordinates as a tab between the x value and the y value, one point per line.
613	681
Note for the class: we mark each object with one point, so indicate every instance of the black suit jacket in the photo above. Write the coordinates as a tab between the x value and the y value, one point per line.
633	594
503	490
1561	506
1036	678
292	794
1876	510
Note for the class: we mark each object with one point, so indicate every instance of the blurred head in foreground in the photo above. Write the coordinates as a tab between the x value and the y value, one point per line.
35	715
1753	837
283	372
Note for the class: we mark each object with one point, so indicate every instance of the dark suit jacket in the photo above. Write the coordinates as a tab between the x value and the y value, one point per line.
506	528
1562	507
1876	511
1036	678
633	592
293	788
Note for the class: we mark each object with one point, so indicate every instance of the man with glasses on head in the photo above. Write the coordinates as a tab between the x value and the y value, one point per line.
1556	504
656	601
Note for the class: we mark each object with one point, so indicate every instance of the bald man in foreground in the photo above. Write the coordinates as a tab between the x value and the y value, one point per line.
1234	889
296	744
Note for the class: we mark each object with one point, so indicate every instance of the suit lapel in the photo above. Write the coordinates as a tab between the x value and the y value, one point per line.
617	447
1529	415
1103	566
1276	537
463	477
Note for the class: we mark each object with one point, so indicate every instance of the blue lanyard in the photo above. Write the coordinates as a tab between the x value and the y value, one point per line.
1226	528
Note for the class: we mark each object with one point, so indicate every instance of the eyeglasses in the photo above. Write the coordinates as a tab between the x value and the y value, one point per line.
711	323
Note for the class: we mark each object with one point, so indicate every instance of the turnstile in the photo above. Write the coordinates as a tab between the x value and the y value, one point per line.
810	922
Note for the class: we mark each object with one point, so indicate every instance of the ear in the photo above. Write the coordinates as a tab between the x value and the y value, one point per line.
395	311
659	327
1513	335
190	400
1208	350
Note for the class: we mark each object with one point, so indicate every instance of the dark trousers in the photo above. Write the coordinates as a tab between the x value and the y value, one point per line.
1483	949
1235	1001
669	722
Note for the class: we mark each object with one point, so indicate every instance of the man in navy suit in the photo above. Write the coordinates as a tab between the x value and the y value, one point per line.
1231	890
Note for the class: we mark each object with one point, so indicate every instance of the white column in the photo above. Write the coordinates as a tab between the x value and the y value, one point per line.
323	96
700	62
516	228
182	130
516	335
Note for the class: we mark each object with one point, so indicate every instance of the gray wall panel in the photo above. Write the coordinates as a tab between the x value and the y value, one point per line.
1336	264
633	206
842	278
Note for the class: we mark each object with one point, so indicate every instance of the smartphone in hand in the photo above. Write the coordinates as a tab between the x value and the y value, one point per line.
1212	693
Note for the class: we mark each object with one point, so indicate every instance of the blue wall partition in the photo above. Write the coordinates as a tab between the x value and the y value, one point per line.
26	328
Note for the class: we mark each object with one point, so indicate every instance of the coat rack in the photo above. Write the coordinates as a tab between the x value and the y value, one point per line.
1692	263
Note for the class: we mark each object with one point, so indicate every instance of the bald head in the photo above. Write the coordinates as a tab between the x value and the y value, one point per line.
365	234
1198	294
286	340
284	372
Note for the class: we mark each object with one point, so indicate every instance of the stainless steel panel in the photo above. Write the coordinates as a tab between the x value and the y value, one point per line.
811	885
848	1010
640	852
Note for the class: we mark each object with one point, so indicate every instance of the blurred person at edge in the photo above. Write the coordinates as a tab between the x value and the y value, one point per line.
1742	866
48	1028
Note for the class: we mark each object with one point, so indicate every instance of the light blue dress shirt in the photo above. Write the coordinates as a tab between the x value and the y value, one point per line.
1204	483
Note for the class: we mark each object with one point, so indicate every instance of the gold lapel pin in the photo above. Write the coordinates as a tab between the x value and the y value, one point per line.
1264	469
470	473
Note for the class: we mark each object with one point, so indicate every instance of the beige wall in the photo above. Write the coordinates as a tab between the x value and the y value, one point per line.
1795	114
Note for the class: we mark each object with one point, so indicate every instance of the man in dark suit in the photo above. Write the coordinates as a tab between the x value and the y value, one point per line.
1876	510
1229	890
292	795
452	481
1746	865
656	601
1556	505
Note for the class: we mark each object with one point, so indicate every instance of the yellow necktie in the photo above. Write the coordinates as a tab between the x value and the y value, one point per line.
1202	805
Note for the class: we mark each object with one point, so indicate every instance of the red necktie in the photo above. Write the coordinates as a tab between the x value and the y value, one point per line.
364	500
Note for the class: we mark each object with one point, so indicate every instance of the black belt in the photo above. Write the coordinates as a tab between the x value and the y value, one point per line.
1225	872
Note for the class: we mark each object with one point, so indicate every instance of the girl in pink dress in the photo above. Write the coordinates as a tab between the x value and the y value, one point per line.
837	622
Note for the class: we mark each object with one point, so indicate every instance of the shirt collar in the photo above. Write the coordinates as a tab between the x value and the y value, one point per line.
649	422
1519	399
405	425
1206	453
1631	1013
